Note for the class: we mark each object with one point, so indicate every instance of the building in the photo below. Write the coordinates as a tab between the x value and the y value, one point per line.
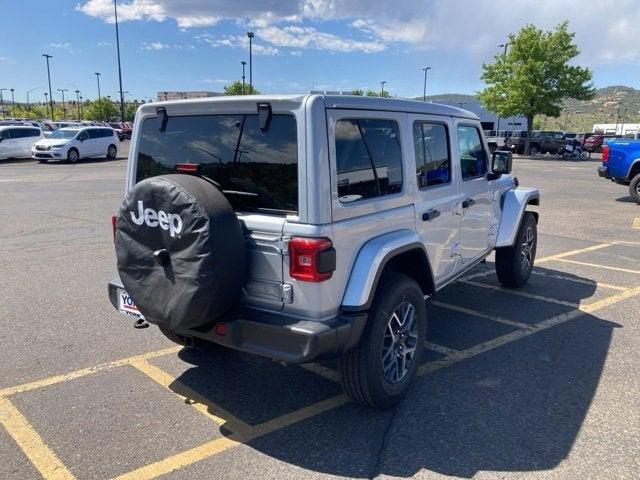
489	120
181	95
616	128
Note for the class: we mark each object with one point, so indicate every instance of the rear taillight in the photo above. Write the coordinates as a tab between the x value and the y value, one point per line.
311	259
187	167
114	225
605	153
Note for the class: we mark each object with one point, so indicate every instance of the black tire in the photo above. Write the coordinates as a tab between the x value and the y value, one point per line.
634	188
514	264
534	150
112	152
73	155
361	370
42	160
585	155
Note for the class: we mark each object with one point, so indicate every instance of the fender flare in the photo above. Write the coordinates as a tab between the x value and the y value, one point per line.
633	164
370	262
514	204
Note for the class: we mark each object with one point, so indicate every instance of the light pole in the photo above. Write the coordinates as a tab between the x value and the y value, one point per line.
49	78
64	110
29	104
504	56
462	103
13	104
424	89
81	108
382	88
250	35
98	78
78	104
243	65
115	13
624	117
46	101
2	102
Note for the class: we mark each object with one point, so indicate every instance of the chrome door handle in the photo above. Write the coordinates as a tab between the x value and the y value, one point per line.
430	215
468	202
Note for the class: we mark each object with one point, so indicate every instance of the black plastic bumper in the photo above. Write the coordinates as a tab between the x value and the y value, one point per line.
603	172
278	336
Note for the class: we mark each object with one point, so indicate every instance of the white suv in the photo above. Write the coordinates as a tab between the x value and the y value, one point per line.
72	144
16	141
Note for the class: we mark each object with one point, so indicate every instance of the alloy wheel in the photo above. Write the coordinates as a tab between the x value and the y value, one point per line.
527	249
400	343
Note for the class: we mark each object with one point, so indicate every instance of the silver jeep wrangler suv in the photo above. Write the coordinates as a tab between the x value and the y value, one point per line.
311	227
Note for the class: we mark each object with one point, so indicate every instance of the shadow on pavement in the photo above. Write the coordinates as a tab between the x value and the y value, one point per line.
515	408
626	199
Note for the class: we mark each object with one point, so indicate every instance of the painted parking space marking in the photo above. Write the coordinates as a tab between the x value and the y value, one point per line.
519	293
579	280
50	466
597	265
439	348
636	222
477	313
575	252
209	409
321	370
32	444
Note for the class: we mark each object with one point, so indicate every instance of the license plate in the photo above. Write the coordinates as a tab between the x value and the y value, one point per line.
126	305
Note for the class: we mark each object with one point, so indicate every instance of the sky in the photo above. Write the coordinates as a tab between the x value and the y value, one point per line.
299	45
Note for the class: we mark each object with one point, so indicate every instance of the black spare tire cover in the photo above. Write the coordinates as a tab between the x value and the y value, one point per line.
180	250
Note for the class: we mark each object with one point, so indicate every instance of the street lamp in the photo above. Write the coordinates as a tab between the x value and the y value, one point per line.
64	110
382	88
81	108
115	13
13	104
49	78
46	100
505	46
243	65
78	104
98	77
29	104
250	35
2	102
462	103
424	89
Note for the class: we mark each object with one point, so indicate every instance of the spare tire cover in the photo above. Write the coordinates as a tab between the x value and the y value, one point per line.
180	250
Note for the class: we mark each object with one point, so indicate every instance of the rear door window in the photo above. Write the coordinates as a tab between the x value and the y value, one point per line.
433	166
368	158
256	170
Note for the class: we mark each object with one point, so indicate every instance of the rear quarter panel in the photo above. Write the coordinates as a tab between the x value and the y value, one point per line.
622	156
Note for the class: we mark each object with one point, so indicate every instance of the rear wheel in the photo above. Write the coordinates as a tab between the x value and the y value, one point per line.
534	150
634	188
514	264
112	151
378	372
585	155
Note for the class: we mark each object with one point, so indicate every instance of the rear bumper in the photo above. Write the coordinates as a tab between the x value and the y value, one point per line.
277	336
603	172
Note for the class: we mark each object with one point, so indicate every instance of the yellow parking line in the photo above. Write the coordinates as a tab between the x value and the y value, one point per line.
193	398
605	302
440	348
579	280
32	444
636	222
521	294
25	387
321	370
574	252
476	313
596	265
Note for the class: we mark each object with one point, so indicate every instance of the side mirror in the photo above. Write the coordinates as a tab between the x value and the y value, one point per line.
501	162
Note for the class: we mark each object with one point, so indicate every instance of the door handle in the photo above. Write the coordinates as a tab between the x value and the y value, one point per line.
430	215
468	202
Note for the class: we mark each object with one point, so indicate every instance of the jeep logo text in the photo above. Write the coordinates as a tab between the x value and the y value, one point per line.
166	221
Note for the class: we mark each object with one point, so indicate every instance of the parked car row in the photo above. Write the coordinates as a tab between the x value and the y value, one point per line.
123	129
67	143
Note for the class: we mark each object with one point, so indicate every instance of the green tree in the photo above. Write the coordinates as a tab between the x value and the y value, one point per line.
130	111
359	92
374	93
535	76
103	110
235	88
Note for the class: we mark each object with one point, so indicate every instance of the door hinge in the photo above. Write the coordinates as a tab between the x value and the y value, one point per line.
455	250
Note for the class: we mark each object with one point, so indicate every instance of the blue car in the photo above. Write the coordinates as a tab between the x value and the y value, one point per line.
621	164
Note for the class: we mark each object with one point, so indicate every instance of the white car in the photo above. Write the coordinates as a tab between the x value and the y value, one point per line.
75	143
16	141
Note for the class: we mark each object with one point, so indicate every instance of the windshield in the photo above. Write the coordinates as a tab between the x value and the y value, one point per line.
256	170
63	134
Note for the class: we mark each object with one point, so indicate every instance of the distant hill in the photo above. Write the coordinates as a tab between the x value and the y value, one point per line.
608	105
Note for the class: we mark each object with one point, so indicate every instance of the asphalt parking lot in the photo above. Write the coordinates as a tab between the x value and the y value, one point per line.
540	382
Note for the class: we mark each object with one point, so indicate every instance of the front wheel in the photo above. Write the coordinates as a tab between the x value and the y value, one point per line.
378	372
73	155
634	188
514	264
585	155
534	150
566	156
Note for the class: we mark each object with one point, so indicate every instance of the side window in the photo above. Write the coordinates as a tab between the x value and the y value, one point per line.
105	133
83	135
34	132
5	134
433	164
472	156
93	133
368	158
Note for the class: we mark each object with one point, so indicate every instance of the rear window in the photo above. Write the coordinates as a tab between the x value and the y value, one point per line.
256	170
